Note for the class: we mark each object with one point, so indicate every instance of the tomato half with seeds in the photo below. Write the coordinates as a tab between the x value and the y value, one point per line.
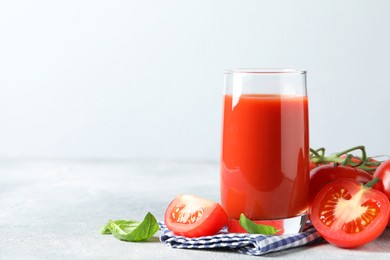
349	214
192	216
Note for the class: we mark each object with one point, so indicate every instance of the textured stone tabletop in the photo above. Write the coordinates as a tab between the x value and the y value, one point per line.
54	210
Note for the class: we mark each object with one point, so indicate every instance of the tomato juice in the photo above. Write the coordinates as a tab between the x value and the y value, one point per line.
265	156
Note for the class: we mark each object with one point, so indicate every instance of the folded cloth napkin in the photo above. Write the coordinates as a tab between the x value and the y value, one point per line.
250	244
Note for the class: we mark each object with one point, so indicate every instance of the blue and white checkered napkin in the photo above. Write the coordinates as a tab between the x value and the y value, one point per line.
250	244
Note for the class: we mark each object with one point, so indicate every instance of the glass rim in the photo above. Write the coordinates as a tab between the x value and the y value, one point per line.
265	71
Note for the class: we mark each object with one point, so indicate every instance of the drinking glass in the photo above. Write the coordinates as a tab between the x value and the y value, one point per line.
265	147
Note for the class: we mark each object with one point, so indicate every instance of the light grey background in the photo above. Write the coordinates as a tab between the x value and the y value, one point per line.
143	79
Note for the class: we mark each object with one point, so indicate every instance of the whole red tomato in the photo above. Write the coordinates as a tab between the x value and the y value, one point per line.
383	173
348	214
324	174
192	216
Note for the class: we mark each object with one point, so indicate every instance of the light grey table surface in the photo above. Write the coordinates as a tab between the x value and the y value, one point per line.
54	209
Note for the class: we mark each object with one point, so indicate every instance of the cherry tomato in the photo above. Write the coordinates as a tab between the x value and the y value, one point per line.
235	227
348	214
192	216
324	174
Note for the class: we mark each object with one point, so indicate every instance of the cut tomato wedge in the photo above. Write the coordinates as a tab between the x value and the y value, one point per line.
348	214
192	216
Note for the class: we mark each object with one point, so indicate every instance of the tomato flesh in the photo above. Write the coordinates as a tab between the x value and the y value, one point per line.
182	215
341	212
192	216
348	214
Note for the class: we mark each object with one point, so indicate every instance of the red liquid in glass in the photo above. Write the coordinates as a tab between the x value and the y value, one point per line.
265	156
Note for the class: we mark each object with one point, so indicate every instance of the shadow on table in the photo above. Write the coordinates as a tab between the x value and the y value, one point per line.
153	240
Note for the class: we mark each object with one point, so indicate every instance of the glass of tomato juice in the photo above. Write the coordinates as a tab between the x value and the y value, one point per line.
265	147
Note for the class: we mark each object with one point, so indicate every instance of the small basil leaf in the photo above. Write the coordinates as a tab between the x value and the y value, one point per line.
146	229
122	229
132	230
254	228
125	225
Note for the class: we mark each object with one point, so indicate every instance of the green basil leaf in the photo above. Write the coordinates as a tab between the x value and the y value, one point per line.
146	229
125	225
132	230
254	228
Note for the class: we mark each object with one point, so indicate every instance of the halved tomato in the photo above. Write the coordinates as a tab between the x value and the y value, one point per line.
192	216
348	214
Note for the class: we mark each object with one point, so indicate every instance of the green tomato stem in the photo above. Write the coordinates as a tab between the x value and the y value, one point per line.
318	157
315	152
347	160
360	147
371	183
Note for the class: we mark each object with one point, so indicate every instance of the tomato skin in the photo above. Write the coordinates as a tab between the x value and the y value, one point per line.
179	212
324	174
313	165
349	215
235	227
